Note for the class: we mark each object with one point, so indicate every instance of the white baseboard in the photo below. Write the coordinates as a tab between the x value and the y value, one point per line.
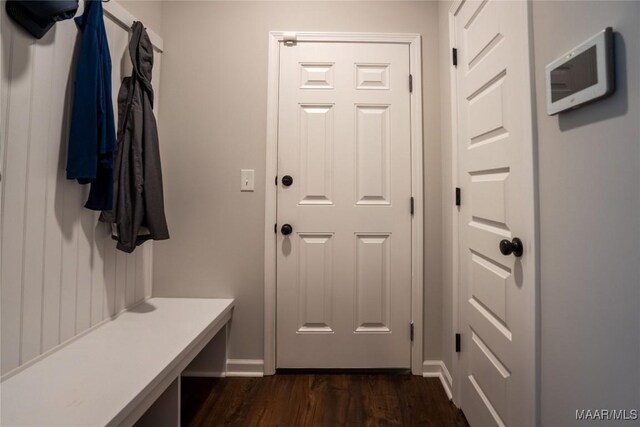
437	368
234	368
203	374
245	368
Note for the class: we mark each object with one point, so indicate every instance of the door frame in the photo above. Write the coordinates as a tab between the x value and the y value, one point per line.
455	8
455	210
413	41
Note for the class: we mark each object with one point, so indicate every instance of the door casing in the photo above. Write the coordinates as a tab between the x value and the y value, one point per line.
455	265
276	40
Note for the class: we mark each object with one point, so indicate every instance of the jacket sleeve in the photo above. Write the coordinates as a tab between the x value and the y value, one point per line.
85	115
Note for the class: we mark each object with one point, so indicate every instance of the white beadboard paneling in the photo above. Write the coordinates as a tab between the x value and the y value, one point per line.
84	281
35	193
14	182
60	271
155	81
148	269
5	52
121	280
139	276
73	201
109	298
130	285
98	278
56	185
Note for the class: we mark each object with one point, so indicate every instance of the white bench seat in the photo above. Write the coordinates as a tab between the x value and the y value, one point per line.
113	374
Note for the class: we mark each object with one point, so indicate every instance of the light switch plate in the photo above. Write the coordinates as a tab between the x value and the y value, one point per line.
247	179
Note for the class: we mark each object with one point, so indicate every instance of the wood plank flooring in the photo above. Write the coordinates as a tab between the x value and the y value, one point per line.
318	400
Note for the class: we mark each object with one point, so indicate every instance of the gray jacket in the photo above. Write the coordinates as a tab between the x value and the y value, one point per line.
138	212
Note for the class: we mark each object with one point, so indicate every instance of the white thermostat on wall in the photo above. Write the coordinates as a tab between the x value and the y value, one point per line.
583	75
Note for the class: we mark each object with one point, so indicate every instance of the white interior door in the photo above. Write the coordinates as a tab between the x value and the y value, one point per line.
495	145
344	272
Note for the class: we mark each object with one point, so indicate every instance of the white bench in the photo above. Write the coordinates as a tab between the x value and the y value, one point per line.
124	372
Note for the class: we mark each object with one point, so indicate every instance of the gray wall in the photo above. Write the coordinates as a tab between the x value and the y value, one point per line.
589	183
213	123
149	12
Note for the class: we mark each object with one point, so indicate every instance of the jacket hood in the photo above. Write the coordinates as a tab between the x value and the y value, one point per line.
141	52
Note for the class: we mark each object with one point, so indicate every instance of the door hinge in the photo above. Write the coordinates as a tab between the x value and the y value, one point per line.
458	197
275	228
457	343
454	56
411	331
410	83
290	39
276	182
411	205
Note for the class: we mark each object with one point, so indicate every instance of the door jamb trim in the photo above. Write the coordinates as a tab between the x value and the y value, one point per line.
276	38
455	262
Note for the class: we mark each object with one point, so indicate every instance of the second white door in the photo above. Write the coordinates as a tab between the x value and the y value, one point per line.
344	268
496	221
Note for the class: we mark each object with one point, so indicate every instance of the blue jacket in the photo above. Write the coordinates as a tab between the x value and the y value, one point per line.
92	139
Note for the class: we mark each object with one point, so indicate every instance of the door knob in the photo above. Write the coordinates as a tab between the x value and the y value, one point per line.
514	247
287	180
286	229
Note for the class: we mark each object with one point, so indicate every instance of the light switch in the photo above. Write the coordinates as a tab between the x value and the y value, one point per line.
247	179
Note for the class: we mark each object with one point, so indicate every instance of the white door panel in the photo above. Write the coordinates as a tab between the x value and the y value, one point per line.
497	292
344	274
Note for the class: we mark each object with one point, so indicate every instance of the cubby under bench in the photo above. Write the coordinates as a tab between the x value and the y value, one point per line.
124	372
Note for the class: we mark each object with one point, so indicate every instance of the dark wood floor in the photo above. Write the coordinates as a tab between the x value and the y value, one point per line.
318	400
